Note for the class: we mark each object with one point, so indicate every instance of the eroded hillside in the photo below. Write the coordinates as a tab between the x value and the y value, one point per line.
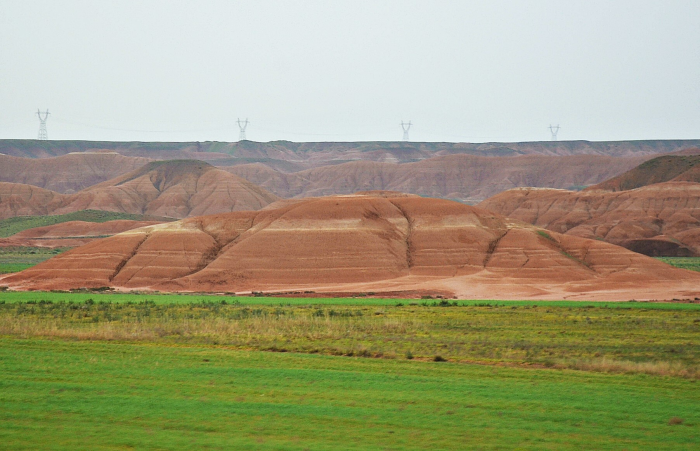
365	242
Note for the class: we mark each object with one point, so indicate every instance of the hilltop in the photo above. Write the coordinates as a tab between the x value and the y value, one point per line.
289	156
667	168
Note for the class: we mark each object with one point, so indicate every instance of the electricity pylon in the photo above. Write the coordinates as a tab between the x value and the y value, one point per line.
43	135
242	125
554	129
406	127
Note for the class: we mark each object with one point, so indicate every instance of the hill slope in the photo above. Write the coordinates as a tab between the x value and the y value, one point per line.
380	242
467	178
14	225
71	233
667	168
658	220
174	189
67	173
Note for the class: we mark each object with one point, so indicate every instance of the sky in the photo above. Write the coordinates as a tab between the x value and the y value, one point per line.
460	71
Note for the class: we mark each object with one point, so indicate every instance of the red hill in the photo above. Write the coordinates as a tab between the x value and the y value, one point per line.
67	173
175	189
658	220
668	168
372	242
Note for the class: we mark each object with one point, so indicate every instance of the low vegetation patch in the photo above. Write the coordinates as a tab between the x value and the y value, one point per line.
18	258
592	338
691	263
545	235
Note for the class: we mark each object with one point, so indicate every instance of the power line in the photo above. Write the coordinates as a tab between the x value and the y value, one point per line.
84	124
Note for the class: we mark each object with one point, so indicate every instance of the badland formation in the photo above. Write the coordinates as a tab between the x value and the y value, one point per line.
553	222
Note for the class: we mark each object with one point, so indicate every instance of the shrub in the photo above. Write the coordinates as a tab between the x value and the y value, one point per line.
544	234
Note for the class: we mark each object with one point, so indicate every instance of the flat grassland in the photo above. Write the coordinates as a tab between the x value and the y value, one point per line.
178	372
90	395
662	341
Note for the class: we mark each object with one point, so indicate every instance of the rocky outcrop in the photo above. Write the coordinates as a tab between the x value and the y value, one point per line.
367	242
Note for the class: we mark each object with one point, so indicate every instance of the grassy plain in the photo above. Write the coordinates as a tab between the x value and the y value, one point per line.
80	395
586	336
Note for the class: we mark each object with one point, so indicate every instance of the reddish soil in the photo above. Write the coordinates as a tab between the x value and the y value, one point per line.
176	189
67	173
467	178
668	168
658	220
71	234
372	242
17	199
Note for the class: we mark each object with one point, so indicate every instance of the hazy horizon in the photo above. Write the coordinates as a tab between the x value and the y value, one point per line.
342	71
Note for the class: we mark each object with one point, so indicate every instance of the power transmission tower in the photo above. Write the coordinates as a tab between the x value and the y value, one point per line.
43	135
242	125
554	129
406	127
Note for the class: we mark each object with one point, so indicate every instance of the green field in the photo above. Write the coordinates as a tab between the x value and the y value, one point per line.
78	395
176	372
691	263
602	337
10	226
108	296
18	258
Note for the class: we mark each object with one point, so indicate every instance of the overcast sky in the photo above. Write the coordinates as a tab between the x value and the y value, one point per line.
350	70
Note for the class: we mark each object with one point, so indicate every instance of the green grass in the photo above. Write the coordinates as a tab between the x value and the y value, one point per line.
6	268
18	258
691	263
545	235
598	338
187	298
64	395
11	226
